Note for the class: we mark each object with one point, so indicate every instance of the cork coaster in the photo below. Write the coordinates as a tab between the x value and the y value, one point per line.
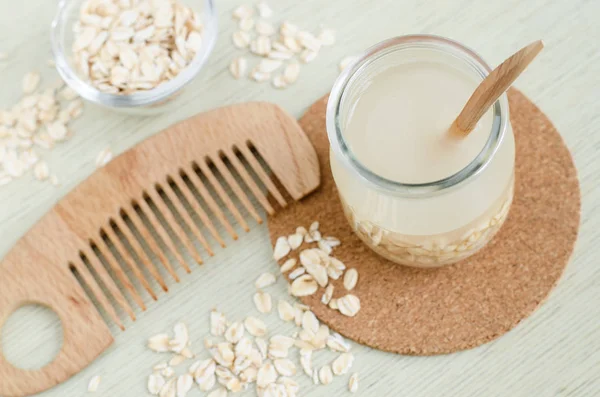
426	312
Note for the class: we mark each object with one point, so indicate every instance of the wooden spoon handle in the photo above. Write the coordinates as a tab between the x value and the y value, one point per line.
494	85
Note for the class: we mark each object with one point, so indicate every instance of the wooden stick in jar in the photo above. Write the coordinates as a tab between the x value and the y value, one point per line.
490	89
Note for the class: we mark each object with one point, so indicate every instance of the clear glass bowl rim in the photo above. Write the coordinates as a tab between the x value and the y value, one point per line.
141	98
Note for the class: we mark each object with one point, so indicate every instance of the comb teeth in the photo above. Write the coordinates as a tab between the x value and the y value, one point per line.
108	282
205	170
164	224
151	242
120	275
180	195
210	202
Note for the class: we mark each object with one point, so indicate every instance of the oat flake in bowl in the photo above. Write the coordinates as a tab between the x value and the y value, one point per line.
132	54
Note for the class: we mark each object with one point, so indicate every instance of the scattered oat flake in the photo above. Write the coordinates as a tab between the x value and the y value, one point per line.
155	383
309	41
206	383
57	131
262	346
262	301
266	375
255	326
103	157
242	12
279	82
318	272
280	55
342	364
327	295
307	56
261	45
333	304
184	384
282	248
238	67
159	343
285	367
306	361
350	279
297	273
41	171
259	76
54	180
94	384
301	230
315	377
304	285
160	366
325	375
288	29
292	44
290	75
264	28
30	82
349	305
246	24
327	37
187	353
288	265
181	338
176	360
241	39
264	280
218	323
285	310
235	332
169	389
264	10
269	65
167	372
353	383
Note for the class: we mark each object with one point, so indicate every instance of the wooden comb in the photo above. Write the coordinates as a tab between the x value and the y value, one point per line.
119	214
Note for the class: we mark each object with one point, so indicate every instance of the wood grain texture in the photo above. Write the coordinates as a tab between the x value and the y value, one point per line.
555	352
494	85
39	268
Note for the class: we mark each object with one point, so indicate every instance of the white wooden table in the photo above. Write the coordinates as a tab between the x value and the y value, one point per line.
555	352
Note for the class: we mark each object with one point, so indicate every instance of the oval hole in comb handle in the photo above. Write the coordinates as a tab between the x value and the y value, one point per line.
28	276
31	337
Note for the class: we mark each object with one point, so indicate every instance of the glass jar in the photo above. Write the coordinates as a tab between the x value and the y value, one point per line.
433	223
166	96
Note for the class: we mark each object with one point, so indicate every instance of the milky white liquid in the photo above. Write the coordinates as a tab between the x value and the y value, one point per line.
399	126
396	125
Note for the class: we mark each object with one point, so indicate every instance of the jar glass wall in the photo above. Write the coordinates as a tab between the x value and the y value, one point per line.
433	223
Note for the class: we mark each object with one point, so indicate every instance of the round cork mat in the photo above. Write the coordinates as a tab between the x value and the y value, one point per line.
435	311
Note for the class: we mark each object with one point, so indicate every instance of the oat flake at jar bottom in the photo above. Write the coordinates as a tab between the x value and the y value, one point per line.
413	194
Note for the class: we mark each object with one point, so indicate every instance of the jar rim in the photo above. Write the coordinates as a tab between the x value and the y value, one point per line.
136	99
342	150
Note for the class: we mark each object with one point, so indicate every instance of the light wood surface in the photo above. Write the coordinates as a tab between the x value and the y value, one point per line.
494	85
556	352
38	269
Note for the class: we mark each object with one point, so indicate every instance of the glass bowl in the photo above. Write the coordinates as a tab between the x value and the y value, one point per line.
159	99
